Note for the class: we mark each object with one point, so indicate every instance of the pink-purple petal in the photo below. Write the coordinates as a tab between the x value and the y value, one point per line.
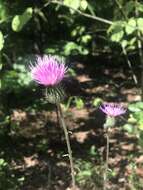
48	71
112	109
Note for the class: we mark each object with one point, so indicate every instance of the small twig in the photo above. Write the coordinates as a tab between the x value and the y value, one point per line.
80	12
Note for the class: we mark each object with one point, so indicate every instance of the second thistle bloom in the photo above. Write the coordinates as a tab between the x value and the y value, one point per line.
48	71
112	109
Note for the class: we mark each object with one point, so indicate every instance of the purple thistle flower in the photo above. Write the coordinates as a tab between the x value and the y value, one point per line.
113	109
48	70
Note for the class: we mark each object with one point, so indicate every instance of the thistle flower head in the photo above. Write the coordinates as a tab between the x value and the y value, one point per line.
113	109
48	71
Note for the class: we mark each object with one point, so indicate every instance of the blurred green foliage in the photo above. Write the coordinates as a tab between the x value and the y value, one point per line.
89	174
8	179
134	124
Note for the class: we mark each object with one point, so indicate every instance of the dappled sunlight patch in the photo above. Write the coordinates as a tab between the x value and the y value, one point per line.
30	161
81	136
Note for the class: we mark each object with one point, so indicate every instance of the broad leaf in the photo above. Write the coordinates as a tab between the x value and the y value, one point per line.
131	26
75	4
139	6
140	24
83	4
19	21
116	31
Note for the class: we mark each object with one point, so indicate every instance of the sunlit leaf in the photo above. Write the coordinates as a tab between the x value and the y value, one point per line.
93	151
79	103
19	21
129	128
131	26
140	126
139	6
97	102
140	24
75	4
3	12
124	43
85	38
116	31
141	139
136	107
1	40
83	4
73	48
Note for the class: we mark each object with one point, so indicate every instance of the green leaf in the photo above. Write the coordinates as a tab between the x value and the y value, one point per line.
136	107
140	105
141	126
87	173
116	37
79	103
130	26
19	21
141	139
79	30
3	12
83	5
85	38
97	102
1	41
93	151
129	44
129	7
140	24
75	4
73	48
124	43
139	6
116	31
129	128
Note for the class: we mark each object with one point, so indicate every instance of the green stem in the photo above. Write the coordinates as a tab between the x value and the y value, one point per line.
62	122
107	160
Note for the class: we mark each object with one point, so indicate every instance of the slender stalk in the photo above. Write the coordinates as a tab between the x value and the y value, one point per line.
107	160
62	122
80	12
